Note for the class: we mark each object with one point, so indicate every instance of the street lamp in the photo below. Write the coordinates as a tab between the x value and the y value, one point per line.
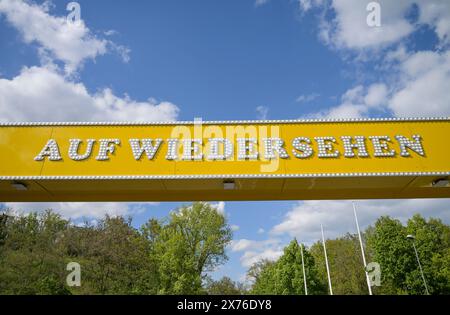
412	238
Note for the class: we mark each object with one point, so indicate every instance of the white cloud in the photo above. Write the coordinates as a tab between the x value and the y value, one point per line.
235	227
255	251
424	90
353	31
220	207
78	210
110	32
357	102
260	2
306	5
261	231
241	245
249	258
349	30
418	81
304	219
36	94
341	111
70	43
349	27
376	95
306	98
437	15
262	112
419	88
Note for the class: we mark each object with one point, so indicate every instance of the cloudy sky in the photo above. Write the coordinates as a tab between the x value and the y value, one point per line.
235	59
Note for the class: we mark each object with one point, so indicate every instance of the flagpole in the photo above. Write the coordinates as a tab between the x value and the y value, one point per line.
304	273
362	250
326	261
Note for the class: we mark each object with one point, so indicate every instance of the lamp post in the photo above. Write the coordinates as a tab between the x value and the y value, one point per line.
412	238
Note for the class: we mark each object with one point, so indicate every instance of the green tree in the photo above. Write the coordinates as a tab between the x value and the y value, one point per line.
224	286
432	240
175	254
115	258
31	259
171	256
262	274
289	272
189	244
346	265
395	253
286	275
3	228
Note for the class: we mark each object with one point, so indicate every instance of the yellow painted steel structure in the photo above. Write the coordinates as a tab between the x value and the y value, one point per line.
123	178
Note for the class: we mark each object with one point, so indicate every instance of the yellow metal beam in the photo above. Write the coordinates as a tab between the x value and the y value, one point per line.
261	160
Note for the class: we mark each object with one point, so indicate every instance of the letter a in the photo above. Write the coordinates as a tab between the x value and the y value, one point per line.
51	150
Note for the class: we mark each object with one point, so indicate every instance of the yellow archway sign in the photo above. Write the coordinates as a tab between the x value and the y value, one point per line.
231	160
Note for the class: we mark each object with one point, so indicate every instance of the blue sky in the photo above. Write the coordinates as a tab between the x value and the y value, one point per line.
210	57
229	60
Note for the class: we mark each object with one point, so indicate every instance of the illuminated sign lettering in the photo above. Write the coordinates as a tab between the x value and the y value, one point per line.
228	160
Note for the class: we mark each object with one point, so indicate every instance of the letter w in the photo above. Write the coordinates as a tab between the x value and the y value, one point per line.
147	146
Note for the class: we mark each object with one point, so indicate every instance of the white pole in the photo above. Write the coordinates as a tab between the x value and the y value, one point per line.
326	261
362	250
421	271
304	273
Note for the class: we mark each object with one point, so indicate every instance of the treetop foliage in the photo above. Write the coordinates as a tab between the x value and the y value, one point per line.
176	254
